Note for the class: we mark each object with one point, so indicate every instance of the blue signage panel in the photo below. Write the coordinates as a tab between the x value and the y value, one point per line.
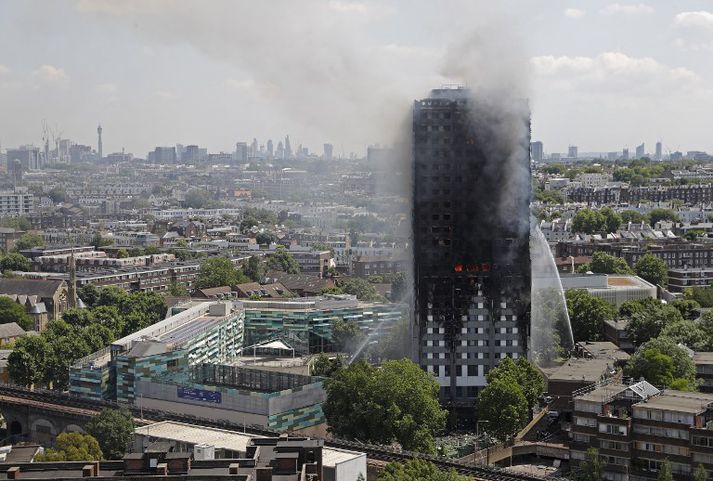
199	395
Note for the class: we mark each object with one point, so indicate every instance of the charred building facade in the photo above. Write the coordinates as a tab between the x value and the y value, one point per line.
471	238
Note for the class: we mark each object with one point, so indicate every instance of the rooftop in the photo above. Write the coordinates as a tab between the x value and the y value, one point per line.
678	401
227	440
582	370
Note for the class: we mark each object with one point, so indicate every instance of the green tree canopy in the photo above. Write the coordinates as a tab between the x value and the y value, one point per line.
395	402
612	220
418	470
27	361
588	221
652	269
255	269
661	362
11	311
700	474
363	289
633	216
656	215
15	261
197	198
114	429
648	321
689	333
702	295
665	473
587	314
346	335
524	374
687	307
73	447
282	260
28	241
603	263
591	469
325	366
219	271
503	404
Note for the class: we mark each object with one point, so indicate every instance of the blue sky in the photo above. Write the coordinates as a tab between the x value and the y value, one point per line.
599	74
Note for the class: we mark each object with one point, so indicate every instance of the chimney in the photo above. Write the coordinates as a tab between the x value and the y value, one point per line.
13	472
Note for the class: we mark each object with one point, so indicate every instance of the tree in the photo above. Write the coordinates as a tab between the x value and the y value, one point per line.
702	295
11	311
57	195
524	374
114	429
28	241
657	215
418	470
592	468
587	314
632	216
694	234
197	198
612	220
363	289
648	322
603	263
122	253
651	361
700	474
15	262
665	473
219	271
325	366
282	260
26	363
689	333
503	404
346	335
265	238
99	241
687	307
178	290
73	447
181	244
396	402
255	269
652	269
588	221
88	293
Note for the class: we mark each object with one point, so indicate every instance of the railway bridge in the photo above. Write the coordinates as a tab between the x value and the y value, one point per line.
40	415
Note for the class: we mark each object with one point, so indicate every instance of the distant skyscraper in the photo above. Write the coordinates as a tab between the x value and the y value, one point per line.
625	154
659	151
572	152
537	151
471	242
288	148
269	148
99	142
253	148
328	151
241	152
163	155
280	153
640	151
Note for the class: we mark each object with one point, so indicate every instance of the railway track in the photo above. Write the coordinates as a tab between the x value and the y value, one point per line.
75	405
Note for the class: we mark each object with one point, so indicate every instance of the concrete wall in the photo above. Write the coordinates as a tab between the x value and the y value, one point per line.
350	470
205	411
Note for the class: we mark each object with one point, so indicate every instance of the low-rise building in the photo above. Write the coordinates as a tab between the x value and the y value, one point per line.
637	427
680	279
613	288
704	369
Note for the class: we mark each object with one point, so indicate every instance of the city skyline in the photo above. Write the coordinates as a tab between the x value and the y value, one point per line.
157	77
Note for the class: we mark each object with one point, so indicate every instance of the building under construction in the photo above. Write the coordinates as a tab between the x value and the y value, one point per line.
471	239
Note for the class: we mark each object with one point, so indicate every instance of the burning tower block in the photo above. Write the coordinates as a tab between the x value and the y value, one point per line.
471	237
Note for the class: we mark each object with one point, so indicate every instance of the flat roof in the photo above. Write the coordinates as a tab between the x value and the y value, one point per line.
587	370
224	439
678	401
703	357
